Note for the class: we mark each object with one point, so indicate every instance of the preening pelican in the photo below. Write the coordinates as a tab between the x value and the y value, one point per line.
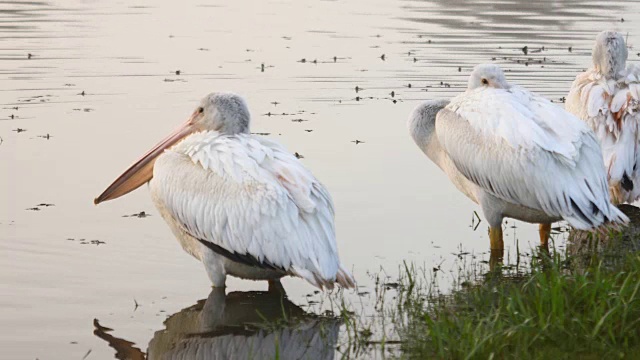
607	97
517	155
239	203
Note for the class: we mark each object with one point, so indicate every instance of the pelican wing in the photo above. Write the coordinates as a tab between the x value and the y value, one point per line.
611	108
525	150
250	200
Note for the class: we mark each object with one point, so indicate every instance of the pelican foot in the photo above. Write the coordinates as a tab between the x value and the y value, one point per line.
275	286
495	236
545	234
495	259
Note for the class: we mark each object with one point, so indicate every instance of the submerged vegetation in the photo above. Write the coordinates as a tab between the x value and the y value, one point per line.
554	309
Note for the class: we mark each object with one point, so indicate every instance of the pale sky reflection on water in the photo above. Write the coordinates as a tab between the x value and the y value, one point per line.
392	203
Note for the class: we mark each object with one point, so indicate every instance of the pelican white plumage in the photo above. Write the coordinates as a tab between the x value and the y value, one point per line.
607	97
239	203
517	155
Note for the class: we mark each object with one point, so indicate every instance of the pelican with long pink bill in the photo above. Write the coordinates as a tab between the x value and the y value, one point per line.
238	202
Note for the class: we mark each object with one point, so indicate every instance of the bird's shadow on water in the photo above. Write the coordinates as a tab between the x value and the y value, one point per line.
261	325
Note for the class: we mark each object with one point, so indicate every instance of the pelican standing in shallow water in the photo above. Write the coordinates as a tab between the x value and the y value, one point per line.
607	97
517	155
239	203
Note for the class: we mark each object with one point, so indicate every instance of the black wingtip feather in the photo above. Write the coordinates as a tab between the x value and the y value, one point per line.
246	259
626	182
581	214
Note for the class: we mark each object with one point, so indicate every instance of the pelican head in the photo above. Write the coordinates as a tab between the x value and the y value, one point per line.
487	75
609	53
422	121
225	113
422	126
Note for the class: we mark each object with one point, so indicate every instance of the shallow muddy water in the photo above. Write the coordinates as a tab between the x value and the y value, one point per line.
89	86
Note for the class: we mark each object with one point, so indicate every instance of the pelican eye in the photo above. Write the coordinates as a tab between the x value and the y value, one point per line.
485	81
200	110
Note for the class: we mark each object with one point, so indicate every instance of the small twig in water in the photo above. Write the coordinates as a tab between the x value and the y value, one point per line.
87	354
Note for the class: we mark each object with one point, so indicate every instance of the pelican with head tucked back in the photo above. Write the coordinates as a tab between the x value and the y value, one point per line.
517	155
607	98
239	203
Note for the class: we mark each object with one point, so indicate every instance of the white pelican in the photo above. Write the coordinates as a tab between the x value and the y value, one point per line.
517	155
607	97
239	203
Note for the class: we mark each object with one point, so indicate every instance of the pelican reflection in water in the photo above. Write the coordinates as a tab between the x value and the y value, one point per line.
240	325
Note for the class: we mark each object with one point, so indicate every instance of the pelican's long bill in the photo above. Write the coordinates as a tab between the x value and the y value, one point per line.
142	170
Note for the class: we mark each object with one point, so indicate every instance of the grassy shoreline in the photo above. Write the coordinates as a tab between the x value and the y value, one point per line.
551	310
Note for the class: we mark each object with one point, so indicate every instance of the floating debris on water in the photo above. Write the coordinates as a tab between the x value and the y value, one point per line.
87	354
141	214
391	285
40	206
475	221
283	113
84	241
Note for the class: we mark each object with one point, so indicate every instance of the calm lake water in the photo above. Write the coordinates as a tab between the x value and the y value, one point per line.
88	86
